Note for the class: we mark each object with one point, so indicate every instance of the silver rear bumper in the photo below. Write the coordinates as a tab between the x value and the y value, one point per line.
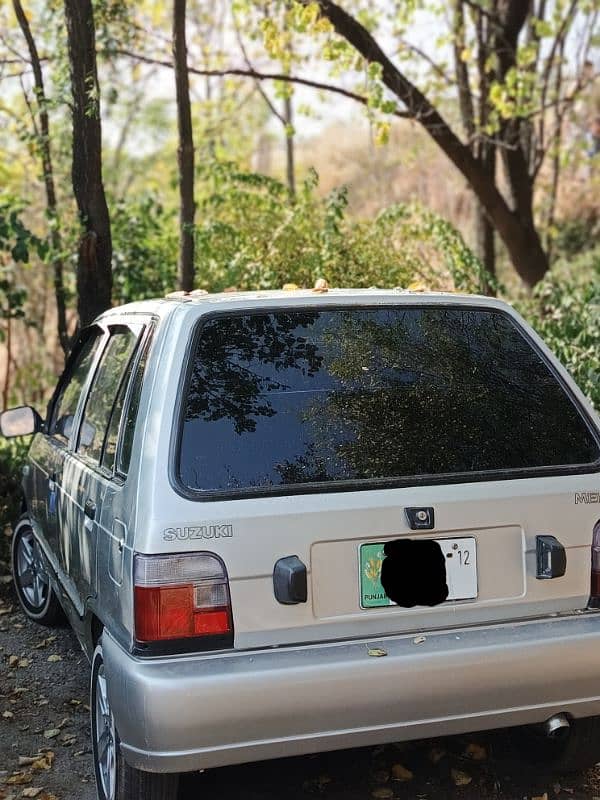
191	712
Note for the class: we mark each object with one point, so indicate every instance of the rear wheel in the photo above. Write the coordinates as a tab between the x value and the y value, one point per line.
572	749
32	582
115	779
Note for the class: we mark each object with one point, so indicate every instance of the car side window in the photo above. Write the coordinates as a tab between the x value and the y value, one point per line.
104	391
72	384
130	418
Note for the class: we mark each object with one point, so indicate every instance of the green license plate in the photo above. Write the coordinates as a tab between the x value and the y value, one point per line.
461	571
371	590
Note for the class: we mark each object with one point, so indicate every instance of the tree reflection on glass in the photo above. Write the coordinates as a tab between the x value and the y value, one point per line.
237	359
351	394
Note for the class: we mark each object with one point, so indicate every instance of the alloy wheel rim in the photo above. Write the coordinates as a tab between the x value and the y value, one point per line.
31	574
106	750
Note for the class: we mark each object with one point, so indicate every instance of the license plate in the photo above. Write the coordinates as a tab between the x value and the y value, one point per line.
461	571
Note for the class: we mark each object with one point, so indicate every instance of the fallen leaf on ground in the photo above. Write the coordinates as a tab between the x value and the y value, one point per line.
19	778
476	752
382	794
32	791
44	761
541	796
7	714
51	733
54	658
436	754
401	773
45	642
24	662
376	652
381	776
461	778
13	661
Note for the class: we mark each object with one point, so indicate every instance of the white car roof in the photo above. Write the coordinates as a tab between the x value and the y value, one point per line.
202	301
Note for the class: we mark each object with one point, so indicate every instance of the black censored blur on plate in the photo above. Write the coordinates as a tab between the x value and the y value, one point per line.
413	573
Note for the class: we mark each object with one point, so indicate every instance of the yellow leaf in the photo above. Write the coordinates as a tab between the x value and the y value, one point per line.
19	778
460	778
436	754
476	752
401	773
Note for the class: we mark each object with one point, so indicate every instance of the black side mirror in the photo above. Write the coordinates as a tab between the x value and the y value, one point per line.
22	421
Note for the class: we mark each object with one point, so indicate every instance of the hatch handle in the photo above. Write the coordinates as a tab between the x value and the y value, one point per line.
289	581
551	558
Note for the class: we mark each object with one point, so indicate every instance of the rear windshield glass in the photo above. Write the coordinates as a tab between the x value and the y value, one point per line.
362	394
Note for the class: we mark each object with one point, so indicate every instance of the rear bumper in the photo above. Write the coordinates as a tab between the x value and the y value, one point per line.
191	712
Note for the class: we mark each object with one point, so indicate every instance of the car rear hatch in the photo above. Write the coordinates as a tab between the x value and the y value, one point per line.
326	433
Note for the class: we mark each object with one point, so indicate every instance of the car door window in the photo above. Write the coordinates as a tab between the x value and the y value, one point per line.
104	391
124	413
72	384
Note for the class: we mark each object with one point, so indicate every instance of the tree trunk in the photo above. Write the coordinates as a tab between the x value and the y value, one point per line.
48	175
484	227
94	275
185	150
288	116
486	247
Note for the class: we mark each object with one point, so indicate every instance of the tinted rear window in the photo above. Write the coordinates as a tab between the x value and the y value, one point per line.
299	397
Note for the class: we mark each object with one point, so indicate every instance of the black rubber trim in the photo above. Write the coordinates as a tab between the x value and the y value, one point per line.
172	647
366	484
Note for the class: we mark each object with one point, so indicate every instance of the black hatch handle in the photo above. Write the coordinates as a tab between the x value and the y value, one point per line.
551	557
289	581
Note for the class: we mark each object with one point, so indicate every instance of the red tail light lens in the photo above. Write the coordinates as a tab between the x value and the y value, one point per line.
181	597
595	581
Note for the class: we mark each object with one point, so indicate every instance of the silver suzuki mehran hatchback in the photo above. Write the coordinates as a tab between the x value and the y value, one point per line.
286	522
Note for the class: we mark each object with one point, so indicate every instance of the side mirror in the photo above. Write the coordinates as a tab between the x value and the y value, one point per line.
22	421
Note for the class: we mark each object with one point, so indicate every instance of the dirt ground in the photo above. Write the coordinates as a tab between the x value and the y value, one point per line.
45	744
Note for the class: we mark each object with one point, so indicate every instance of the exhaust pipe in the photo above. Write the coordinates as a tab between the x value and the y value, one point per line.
556	726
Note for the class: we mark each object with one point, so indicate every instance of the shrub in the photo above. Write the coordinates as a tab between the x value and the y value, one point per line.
249	235
565	311
12	457
144	237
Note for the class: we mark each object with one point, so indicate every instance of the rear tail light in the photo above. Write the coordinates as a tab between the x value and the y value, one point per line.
182	597
595	582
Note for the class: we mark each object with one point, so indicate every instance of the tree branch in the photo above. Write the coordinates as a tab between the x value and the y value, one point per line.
257	82
516	228
261	76
422	54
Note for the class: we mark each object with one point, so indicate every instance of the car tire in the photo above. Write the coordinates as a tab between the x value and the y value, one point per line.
32	582
575	750
115	778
